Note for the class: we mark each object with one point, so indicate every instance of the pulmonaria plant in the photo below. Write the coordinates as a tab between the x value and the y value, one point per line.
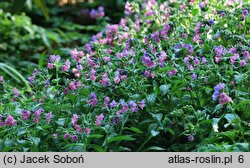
154	81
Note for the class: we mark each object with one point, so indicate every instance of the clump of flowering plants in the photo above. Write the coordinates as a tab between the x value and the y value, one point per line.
171	76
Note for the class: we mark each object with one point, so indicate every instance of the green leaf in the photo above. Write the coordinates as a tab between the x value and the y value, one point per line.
45	38
95	136
134	129
218	107
41	4
195	12
35	140
243	147
96	148
154	133
151	98
123	149
165	88
240	77
231	117
157	116
41	60
244	106
170	130
15	75
120	138
154	148
61	121
8	142
74	145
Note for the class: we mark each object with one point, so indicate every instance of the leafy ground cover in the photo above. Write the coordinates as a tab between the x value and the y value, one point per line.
171	76
30	29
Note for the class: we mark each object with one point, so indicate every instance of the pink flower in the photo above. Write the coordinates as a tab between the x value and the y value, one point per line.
172	72
106	59
67	136
204	60
240	26
76	55
109	51
224	98
246	55
182	6
218	59
234	58
76	72
74	119
87	131
35	120
55	136
66	66
194	76
142	104
117	79
37	114
10	121
106	101
148	61
196	62
50	66
1	79
93	100
78	128
49	116
74	138
16	92
72	85
25	114
99	119
223	14
243	63
184	35
92	77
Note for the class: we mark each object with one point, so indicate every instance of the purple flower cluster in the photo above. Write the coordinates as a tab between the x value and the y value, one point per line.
75	85
105	81
10	121
219	52
31	78
76	55
99	119
66	66
93	99
217	90
148	61
97	13
244	13
74	119
52	60
49	116
37	114
25	114
172	72
128	8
